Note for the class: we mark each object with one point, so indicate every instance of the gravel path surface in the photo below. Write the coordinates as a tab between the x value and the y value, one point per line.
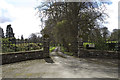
62	66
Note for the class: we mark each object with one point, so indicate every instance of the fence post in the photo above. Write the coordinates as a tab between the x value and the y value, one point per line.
46	45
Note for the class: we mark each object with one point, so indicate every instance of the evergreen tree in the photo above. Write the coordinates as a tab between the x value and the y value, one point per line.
1	33
22	37
9	32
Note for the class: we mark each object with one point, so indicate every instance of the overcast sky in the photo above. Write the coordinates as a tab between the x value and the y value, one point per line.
21	14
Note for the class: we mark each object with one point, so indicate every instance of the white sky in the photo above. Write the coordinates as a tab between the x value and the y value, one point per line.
112	11
21	15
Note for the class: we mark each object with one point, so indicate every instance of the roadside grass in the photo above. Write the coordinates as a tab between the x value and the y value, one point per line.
108	45
67	53
85	43
51	48
112	42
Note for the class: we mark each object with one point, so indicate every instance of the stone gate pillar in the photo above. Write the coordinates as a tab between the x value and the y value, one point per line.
46	45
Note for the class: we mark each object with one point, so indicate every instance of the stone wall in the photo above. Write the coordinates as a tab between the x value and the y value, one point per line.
22	56
99	54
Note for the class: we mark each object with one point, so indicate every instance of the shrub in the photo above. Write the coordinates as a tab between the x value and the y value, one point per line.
33	46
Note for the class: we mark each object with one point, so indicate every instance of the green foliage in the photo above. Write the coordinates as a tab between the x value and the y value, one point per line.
27	47
33	46
65	18
68	53
101	46
33	38
7	46
51	48
85	43
2	33
112	42
9	31
65	52
115	35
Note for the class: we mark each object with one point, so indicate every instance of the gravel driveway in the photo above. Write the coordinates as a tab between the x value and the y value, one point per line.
61	67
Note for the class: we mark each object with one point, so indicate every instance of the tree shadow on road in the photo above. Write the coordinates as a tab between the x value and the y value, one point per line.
49	60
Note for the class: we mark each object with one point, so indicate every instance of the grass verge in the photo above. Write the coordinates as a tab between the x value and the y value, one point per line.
51	48
67	53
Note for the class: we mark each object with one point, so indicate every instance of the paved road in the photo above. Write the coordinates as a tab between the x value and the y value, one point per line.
60	66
